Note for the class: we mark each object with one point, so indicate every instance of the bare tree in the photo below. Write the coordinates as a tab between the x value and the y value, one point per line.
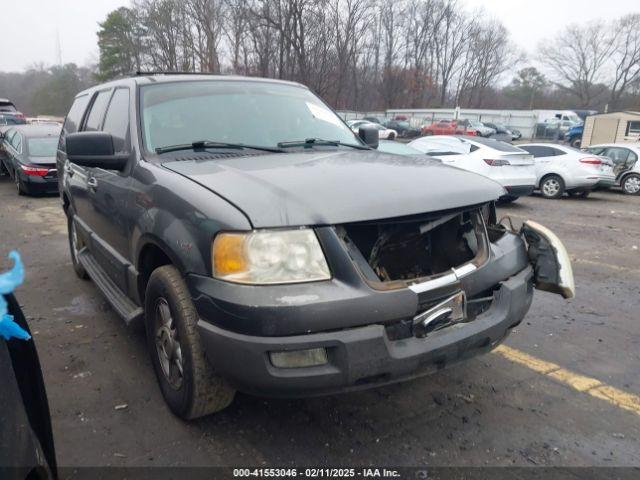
626	57
578	58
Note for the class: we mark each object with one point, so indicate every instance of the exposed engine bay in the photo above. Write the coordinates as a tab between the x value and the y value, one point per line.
405	249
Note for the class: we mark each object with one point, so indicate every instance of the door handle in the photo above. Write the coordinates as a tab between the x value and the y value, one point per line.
92	183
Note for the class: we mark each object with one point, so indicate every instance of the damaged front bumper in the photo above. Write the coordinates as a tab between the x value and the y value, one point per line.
363	357
354	331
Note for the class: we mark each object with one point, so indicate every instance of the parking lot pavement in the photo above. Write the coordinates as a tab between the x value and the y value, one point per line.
554	395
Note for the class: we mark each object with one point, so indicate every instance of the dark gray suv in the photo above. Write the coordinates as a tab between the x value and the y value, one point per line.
268	249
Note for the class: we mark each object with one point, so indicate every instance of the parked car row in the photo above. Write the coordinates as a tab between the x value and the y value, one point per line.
445	127
548	168
291	257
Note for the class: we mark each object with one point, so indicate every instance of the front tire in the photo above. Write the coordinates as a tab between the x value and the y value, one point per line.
576	142
188	382
552	186
631	184
75	245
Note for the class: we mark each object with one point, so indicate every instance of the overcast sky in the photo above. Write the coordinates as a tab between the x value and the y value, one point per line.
33	25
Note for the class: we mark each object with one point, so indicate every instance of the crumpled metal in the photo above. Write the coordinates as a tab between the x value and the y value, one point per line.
8	282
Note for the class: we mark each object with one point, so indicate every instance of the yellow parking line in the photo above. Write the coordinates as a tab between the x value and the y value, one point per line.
588	385
605	265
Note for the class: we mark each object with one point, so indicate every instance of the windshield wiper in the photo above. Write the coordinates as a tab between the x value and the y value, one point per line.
206	144
311	142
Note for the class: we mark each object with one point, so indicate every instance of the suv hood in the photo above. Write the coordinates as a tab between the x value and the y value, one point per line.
326	188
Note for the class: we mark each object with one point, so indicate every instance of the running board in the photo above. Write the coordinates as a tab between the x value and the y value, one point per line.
129	311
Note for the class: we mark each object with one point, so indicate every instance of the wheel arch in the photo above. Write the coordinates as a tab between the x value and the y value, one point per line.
152	253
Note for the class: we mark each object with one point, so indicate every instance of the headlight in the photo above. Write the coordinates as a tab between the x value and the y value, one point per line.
268	257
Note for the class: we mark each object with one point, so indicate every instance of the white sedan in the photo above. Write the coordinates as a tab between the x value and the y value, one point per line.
383	132
510	166
561	168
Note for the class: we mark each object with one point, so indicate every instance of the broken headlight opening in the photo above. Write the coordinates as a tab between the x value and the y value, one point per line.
394	253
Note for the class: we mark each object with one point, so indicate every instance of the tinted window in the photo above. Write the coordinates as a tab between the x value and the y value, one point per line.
117	120
74	117
534	150
556	151
42	147
497	145
94	120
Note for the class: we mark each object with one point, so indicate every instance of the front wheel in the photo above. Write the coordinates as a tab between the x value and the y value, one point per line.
76	244
552	186
576	142
631	184
392	136
189	385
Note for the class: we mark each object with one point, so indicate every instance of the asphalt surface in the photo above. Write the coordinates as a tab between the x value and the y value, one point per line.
488	411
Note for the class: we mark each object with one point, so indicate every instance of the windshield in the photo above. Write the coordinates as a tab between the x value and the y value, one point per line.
242	112
42	147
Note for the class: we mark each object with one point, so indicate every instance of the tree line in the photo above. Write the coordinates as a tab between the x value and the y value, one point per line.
358	54
376	54
365	55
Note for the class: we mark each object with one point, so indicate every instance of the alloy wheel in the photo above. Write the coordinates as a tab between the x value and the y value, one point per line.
550	187
632	185
167	343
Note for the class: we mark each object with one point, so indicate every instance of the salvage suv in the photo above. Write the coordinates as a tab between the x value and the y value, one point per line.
269	249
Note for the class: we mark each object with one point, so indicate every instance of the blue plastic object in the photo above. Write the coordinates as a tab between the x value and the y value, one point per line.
8	282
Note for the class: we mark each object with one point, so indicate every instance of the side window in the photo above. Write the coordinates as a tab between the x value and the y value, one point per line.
16	142
94	120
116	121
473	148
535	151
73	119
8	136
556	151
618	155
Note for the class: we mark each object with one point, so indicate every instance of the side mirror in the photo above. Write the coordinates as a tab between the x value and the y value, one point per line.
369	136
94	150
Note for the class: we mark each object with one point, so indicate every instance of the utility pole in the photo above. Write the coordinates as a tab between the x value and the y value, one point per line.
58	48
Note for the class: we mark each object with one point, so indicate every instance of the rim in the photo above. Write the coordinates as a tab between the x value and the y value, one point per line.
167	343
75	241
632	185
551	187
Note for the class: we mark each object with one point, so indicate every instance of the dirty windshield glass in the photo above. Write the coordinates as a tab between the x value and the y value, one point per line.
42	147
250	113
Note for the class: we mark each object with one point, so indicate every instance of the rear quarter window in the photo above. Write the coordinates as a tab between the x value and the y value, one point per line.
74	118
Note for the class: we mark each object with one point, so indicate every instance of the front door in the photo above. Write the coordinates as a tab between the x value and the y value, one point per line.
108	194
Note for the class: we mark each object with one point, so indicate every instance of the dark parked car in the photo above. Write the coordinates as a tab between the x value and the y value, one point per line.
29	156
404	128
268	249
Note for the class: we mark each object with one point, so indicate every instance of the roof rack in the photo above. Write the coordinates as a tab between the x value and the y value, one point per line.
141	73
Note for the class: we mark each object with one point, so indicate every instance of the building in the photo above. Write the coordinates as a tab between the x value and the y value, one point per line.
616	127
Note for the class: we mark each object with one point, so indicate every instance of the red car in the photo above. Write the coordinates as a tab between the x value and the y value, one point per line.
447	127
